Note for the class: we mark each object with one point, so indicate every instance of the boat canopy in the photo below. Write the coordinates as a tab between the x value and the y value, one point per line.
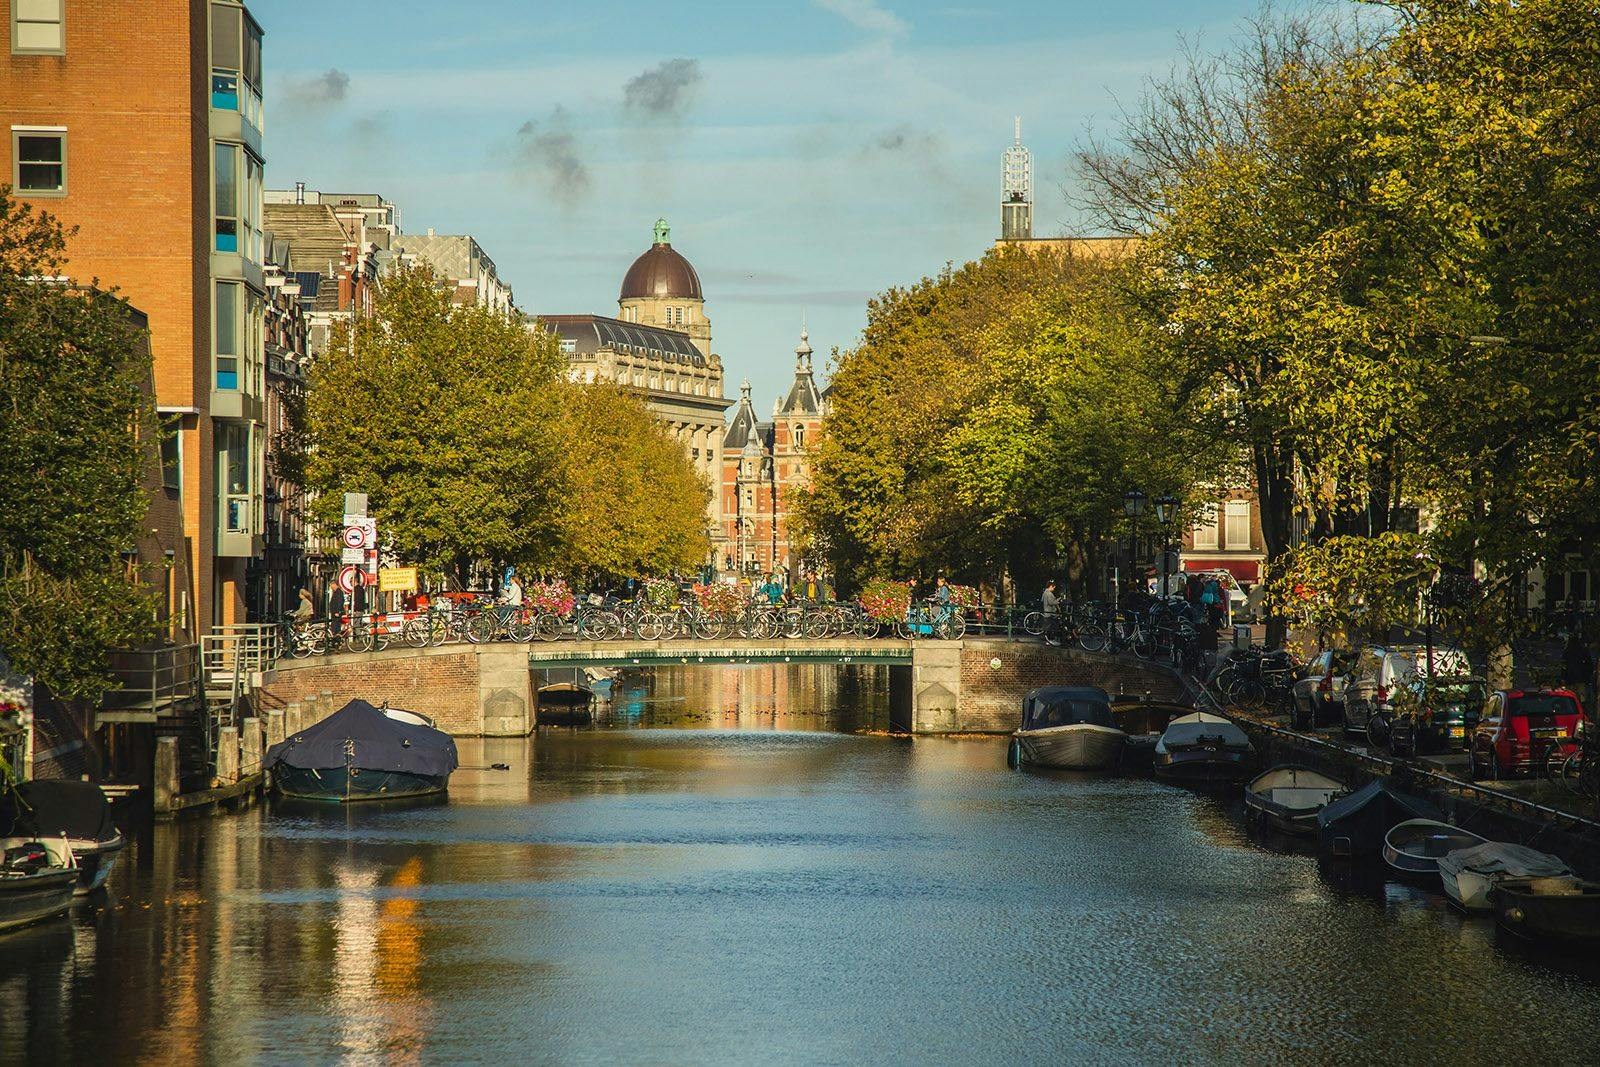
1365	816
50	807
1063	705
378	743
1503	857
1199	727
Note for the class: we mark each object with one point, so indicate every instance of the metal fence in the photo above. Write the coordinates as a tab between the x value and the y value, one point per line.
153	679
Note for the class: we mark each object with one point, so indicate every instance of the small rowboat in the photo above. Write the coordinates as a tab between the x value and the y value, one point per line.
1561	911
1471	874
1415	847
1202	748
1288	798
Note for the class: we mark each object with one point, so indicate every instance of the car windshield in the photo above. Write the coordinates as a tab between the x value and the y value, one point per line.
1541	709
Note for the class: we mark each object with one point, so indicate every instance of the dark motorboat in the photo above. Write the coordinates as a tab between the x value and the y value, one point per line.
1415	847
1355	825
1068	727
1561	911
66	816
564	704
364	753
1288	798
1144	722
1201	747
32	886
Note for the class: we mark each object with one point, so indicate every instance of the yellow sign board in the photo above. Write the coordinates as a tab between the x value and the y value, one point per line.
397	580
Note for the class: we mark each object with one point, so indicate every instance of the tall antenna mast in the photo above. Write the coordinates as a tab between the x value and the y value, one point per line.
1016	190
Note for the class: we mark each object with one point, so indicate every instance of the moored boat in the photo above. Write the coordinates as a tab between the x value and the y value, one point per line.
1562	911
364	753
1201	748
1355	824
1469	875
1068	727
32	885
1415	847
1144	722
564	704
1288	797
71	819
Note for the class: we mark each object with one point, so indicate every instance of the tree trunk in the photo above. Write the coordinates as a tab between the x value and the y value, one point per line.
1275	497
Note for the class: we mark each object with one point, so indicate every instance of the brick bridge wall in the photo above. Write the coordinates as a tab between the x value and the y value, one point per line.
470	691
991	693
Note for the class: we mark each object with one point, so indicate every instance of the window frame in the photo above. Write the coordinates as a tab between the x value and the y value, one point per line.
17	21
1231	511
17	134
1207	532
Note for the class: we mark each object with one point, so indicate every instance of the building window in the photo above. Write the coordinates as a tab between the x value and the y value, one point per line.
1205	528
235	62
225	330
41	161
38	26
568	345
1237	533
225	184
799	437
172	452
233	471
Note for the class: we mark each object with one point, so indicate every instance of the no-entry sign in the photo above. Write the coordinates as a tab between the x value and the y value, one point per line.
349	578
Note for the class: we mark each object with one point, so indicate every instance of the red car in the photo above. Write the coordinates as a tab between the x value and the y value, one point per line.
1519	726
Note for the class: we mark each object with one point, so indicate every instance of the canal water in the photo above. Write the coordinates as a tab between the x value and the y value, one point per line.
705	881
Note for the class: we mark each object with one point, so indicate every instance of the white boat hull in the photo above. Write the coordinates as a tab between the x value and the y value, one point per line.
1080	747
1469	889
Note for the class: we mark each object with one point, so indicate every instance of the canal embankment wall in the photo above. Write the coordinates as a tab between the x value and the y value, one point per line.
469	690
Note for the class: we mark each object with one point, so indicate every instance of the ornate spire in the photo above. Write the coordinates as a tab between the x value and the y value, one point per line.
744	389
802	352
663	232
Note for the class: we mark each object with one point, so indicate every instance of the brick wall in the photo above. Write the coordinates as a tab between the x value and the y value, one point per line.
991	695
441	683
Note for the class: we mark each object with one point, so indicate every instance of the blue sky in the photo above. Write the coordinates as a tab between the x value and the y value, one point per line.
807	154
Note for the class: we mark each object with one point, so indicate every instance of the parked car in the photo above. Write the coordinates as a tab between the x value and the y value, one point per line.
1519	726
1375	680
1318	696
1451	714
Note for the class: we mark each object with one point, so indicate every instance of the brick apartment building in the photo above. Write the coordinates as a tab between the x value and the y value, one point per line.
140	125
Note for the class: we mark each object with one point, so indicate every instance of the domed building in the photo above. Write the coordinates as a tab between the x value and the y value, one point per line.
662	289
660	345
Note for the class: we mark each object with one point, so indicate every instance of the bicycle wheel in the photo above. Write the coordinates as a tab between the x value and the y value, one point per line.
482	627
868	627
904	630
416	633
300	643
1091	638
520	627
953	627
358	639
816	626
709	628
1033	623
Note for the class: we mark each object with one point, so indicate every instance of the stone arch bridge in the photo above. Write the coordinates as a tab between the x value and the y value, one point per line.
972	685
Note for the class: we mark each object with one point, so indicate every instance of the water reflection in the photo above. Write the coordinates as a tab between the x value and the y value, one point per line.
707	894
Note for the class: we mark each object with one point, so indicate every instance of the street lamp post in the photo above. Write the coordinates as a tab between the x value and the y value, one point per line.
1166	511
1133	507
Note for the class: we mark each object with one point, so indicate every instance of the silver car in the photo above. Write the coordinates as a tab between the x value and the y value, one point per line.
1318	695
1381	670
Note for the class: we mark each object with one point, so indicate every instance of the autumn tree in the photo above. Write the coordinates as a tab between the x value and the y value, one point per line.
443	415
76	427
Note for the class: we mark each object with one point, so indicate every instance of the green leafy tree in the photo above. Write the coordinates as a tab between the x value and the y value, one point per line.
444	416
77	425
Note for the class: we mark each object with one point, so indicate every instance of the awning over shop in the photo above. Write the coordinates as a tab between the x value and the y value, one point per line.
1245	570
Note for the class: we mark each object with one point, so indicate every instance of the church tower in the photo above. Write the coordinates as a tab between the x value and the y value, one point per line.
662	289
1016	191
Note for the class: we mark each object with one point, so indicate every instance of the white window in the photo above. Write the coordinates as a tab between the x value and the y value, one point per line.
40	160
1237	533
1205	528
799	437
38	26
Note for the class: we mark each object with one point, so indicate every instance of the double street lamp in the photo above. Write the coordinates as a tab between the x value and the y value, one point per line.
1166	511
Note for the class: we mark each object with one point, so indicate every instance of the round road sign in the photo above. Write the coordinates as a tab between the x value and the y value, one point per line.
348	578
354	537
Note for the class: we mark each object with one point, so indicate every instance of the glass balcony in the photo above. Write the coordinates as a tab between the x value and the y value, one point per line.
225	90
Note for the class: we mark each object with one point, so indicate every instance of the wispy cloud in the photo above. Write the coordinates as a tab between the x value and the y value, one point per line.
866	15
320	90
663	91
547	151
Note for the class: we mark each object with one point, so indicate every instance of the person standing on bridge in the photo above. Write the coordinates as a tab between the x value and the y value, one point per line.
1050	605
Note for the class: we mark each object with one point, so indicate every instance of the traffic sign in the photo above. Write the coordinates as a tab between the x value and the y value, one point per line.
355	536
397	580
358	556
348	577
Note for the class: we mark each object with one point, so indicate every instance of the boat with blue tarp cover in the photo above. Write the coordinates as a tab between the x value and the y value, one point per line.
361	752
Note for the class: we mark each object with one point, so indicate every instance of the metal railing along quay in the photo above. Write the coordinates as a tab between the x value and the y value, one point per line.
151	680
